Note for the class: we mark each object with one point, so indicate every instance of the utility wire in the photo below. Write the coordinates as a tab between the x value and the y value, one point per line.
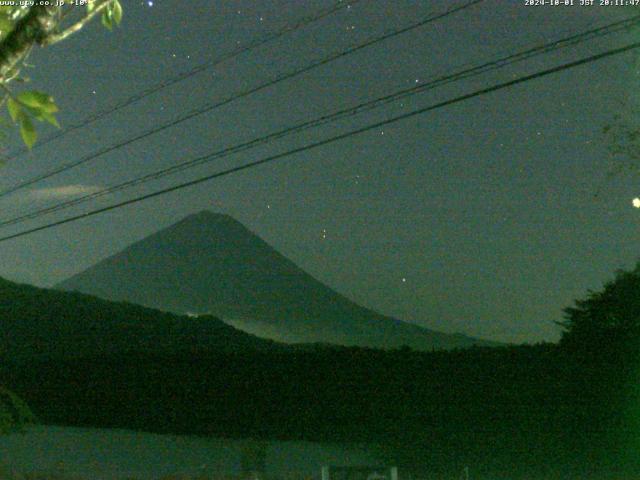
136	97
367	128
344	113
245	93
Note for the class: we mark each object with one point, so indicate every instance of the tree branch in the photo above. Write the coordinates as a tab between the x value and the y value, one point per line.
58	37
32	29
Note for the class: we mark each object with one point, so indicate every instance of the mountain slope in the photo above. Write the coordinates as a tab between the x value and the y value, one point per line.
210	263
36	322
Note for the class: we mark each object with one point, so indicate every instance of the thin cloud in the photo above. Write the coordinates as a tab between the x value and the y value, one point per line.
63	192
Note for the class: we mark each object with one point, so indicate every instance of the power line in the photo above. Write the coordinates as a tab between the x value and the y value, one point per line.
245	93
367	128
369	105
135	98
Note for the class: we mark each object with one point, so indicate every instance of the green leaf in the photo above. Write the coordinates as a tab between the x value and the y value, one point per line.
6	24
34	112
112	14
13	72
38	101
14	109
27	130
51	118
117	12
42	115
107	18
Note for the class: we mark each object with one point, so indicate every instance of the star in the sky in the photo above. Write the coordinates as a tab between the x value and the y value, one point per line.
636	202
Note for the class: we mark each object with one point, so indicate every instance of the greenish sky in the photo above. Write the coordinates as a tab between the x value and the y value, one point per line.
477	218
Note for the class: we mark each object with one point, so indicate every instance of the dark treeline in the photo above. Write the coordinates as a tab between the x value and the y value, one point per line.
529	407
570	410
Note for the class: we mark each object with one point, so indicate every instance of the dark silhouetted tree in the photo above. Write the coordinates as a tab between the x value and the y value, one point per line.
607	319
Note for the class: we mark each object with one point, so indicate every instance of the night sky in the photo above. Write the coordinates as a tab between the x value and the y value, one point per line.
478	218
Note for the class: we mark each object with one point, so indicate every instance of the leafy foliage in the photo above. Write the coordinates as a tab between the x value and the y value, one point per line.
9	16
31	105
623	138
608	318
112	15
602	336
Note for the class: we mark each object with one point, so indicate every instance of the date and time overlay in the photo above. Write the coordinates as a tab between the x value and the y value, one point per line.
582	3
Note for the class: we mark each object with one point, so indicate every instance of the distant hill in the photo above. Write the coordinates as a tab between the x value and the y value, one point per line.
36	322
211	264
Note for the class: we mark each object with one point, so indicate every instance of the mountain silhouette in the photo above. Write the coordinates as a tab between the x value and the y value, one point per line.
50	324
210	263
